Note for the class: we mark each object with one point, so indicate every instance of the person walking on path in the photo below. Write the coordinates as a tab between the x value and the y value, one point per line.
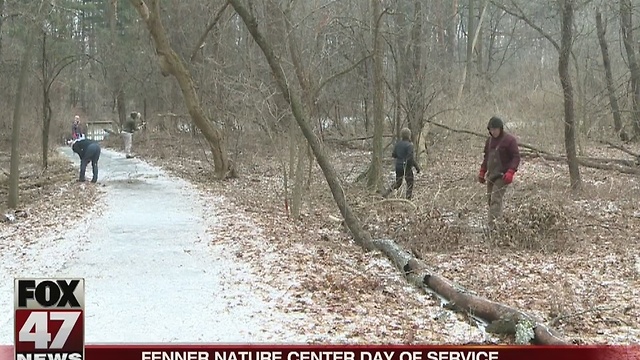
499	165
128	128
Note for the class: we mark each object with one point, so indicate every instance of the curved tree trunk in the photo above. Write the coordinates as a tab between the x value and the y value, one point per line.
567	88
171	64
360	236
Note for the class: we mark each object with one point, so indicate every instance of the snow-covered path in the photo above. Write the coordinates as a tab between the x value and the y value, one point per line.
150	272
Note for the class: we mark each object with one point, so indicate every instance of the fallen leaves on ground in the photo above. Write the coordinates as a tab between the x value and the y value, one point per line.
350	296
572	260
50	202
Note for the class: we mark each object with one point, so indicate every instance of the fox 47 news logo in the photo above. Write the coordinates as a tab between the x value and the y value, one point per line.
49	319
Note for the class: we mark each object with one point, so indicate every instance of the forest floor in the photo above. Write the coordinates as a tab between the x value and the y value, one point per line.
572	260
49	201
333	296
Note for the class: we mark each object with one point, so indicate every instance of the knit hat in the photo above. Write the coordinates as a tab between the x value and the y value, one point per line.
495	123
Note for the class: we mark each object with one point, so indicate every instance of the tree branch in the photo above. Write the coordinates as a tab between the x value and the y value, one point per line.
62	64
337	75
621	148
463	131
523	17
200	43
142	8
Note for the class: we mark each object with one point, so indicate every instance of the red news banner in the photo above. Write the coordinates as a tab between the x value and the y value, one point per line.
49	325
346	352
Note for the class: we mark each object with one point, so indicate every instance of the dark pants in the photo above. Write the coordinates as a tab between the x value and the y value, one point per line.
92	155
405	173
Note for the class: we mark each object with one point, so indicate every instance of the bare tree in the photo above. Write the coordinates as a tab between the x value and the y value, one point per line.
472	39
564	57
613	100
50	70
566	44
360	236
25	62
1	24
172	64
297	145
374	180
115	73
626	24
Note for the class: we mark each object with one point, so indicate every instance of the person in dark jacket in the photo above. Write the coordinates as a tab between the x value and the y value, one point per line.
499	165
403	154
88	151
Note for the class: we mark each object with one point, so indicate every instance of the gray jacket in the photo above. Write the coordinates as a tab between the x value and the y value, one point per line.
404	155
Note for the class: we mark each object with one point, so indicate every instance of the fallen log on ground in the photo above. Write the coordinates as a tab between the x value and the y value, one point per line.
620	165
346	140
624	162
463	131
630	167
621	148
501	319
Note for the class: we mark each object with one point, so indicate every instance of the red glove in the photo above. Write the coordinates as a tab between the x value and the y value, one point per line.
508	176
481	179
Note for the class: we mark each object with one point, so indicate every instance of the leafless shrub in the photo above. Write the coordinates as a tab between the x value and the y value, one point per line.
428	231
539	224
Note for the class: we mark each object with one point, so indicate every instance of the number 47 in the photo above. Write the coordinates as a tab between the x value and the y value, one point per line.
38	321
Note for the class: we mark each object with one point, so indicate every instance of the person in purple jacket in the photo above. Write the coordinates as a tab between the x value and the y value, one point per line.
76	131
499	165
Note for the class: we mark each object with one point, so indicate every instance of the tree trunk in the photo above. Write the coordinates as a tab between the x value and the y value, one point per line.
46	104
374	180
171	64
298	184
452	34
397	116
567	88
297	145
471	30
629	45
472	39
502	319
46	126
479	46
121	102
14	167
117	85
613	100
360	236
1	24
417	85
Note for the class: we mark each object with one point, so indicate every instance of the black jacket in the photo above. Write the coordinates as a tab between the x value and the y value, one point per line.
80	147
403	153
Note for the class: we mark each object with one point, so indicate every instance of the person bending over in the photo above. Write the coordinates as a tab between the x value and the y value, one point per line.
88	151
